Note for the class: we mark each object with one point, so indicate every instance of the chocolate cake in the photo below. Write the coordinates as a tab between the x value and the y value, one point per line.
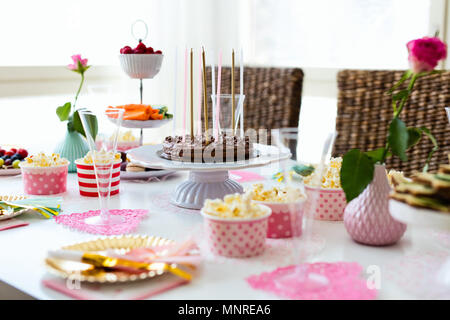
227	148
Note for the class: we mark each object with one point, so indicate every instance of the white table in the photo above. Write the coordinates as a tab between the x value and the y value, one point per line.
22	250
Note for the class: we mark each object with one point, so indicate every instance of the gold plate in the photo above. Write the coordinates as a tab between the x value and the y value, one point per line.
87	273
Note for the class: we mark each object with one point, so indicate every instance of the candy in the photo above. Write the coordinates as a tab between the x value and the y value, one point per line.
42	160
275	194
233	206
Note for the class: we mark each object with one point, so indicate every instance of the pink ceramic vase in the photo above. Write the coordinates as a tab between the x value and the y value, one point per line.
367	217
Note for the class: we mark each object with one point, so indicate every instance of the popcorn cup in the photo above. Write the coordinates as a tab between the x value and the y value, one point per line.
330	203
286	219
87	182
44	180
238	237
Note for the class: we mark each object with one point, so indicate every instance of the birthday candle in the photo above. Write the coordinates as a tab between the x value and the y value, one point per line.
213	90
219	76
174	124
200	96
185	92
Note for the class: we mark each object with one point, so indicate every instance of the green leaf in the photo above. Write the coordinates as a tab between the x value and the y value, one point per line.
398	138
377	154
91	121
414	135
303	170
63	111
356	173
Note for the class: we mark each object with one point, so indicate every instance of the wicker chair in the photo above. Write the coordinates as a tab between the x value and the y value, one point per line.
364	113
272	96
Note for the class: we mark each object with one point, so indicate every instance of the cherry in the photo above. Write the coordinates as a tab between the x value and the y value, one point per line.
23	153
158	52
2	152
149	50
126	49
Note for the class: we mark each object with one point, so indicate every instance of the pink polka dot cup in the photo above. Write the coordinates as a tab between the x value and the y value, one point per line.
285	220
326	204
45	180
238	237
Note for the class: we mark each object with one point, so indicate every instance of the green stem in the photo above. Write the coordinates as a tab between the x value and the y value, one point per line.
399	110
78	92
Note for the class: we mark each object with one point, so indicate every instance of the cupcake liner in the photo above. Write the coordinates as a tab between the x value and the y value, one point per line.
141	66
87	182
236	238
330	204
286	219
45	180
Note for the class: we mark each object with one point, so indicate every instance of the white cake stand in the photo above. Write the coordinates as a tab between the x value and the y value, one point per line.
206	180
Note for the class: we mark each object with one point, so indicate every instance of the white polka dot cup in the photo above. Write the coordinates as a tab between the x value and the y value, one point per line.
286	219
238	237
45	180
326	204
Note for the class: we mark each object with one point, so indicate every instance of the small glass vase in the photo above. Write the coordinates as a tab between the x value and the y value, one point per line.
73	147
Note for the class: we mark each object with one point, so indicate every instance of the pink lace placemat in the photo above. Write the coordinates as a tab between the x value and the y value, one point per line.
77	221
316	281
425	275
162	202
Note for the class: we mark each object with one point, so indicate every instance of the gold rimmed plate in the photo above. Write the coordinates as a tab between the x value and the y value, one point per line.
121	244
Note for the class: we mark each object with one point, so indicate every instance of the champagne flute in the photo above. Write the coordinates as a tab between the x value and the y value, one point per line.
103	158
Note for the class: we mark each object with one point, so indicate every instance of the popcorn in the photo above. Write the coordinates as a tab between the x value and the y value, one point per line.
42	160
102	157
233	206
275	194
126	136
331	177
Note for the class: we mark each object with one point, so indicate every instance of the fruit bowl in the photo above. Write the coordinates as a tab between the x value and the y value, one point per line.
141	66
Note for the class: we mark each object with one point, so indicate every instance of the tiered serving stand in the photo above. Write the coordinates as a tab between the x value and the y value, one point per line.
141	66
206	180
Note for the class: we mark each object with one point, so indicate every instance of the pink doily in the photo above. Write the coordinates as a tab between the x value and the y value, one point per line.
162	202
316	281
425	275
76	221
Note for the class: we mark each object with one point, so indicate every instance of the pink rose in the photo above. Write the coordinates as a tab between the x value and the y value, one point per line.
79	65
425	53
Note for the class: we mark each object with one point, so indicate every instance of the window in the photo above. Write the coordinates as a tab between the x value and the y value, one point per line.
338	34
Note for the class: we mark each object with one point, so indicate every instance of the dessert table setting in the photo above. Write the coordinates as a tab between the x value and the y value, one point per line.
218	210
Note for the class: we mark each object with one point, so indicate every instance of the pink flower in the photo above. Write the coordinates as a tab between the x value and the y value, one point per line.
79	65
425	53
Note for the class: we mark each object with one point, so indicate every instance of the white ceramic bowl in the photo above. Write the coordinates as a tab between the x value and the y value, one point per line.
141	66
